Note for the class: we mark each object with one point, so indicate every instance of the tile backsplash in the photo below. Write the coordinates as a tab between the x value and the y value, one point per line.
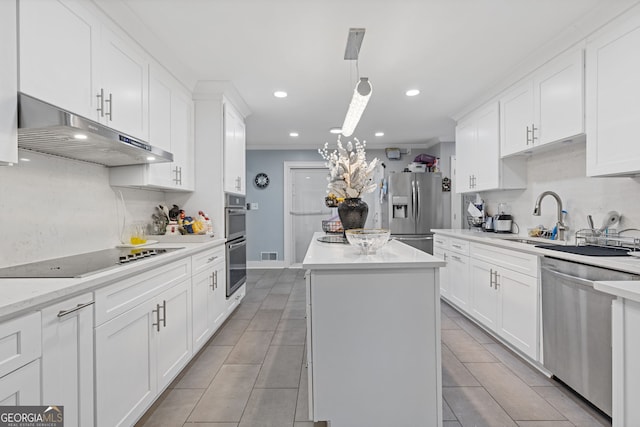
55	207
563	170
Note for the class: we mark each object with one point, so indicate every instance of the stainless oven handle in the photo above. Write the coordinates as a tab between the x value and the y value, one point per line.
574	279
236	211
235	245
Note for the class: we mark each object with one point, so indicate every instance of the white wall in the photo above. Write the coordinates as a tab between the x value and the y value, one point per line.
563	170
55	207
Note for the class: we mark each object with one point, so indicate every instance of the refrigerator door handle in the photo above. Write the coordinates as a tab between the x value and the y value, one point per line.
417	202
413	199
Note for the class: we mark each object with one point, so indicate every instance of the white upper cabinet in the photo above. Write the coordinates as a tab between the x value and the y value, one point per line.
171	129
516	118
613	104
49	68
478	163
544	108
70	59
8	83
234	151
124	87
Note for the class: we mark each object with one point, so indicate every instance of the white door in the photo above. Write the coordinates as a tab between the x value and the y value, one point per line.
308	190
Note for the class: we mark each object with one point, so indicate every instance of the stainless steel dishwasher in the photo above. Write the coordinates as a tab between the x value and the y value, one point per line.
576	327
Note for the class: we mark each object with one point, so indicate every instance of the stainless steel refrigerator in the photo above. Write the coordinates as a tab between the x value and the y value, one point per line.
415	207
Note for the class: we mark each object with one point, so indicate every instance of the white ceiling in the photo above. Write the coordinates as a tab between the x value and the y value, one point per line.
454	51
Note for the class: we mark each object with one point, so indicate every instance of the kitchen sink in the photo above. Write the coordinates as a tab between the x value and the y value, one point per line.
522	240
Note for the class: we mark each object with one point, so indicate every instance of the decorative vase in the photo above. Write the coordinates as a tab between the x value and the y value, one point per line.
353	213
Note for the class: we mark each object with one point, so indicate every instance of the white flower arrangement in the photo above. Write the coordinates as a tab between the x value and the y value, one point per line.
349	174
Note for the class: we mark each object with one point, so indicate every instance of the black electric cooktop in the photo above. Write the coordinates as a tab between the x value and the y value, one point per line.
82	265
588	250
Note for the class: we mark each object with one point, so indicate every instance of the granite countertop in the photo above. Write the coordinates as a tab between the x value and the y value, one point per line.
22	295
340	256
628	264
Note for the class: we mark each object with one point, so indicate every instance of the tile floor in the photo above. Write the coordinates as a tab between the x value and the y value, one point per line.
251	372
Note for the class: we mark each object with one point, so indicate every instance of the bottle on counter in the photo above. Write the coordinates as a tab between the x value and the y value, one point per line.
208	225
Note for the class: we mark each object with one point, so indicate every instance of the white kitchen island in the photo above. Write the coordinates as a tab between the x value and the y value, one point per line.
373	336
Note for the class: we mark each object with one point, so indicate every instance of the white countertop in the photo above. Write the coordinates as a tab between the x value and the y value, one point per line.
340	256
628	289
21	295
627	264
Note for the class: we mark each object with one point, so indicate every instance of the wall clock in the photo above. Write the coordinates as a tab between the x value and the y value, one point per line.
261	180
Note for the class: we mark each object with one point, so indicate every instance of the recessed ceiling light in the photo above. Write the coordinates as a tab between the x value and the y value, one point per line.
412	92
294	134
80	136
379	133
24	159
151	158
280	94
335	130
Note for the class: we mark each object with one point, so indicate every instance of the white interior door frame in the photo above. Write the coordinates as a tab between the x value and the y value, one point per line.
288	193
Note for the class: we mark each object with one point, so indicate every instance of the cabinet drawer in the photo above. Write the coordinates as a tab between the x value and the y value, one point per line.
459	246
508	258
440	241
20	342
115	299
206	259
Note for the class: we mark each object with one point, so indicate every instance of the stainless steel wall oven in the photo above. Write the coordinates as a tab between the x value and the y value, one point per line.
236	235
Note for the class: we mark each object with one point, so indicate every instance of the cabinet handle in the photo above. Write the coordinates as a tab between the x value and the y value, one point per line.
100	96
496	282
215	275
110	102
157	322
211	285
528	132
491	278
444	256
164	313
63	313
457	258
179	175
457	246
211	259
533	133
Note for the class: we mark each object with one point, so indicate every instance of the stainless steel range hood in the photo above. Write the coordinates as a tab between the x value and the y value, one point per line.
45	128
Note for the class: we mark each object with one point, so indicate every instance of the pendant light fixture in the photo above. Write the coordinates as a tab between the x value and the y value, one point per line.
361	95
362	91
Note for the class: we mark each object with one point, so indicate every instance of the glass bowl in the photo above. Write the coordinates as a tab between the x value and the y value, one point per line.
369	240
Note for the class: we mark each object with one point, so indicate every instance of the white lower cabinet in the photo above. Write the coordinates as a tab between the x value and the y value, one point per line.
504	300
67	359
20	350
209	300
498	287
441	253
458	268
139	351
484	298
22	386
126	366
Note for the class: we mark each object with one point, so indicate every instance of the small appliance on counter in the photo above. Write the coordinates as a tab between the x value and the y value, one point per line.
503	221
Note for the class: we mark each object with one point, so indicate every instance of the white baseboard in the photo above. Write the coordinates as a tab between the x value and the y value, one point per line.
265	264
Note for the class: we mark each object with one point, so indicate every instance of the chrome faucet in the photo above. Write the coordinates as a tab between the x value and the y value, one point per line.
537	211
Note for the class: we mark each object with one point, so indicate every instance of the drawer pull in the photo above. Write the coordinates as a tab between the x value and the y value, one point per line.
457	246
63	313
211	259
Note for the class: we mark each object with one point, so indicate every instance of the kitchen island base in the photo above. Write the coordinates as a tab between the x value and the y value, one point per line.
373	344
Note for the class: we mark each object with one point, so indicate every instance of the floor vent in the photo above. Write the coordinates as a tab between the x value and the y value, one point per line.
269	256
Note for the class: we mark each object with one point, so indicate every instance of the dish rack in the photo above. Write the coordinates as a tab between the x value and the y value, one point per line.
608	238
